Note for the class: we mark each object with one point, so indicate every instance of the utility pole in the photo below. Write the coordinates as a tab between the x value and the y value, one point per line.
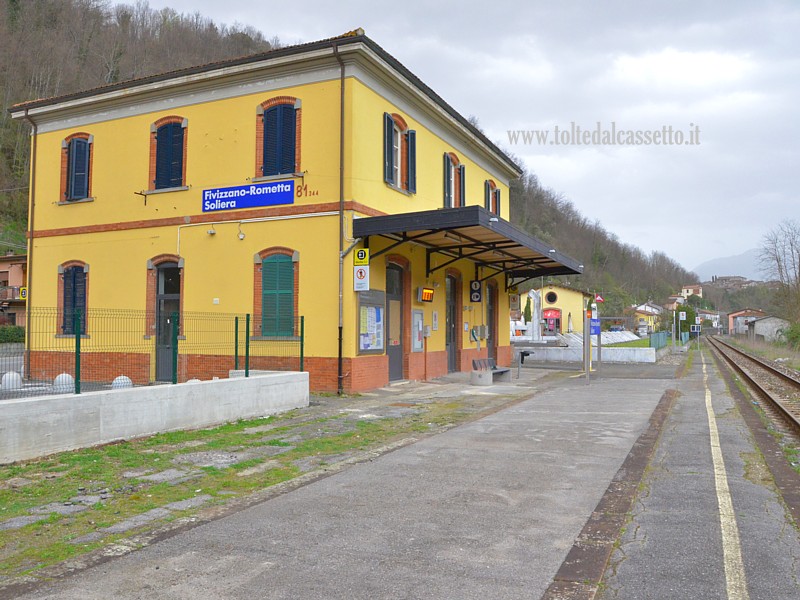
587	341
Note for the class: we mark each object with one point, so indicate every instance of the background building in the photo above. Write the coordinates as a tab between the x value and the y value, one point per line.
562	309
13	273
767	329
738	321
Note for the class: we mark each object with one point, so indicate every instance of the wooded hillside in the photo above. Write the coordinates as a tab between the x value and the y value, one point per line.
623	273
53	47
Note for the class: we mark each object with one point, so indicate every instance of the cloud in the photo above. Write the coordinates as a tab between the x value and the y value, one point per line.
674	70
732	71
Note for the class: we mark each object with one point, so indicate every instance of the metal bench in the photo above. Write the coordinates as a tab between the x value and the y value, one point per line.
485	371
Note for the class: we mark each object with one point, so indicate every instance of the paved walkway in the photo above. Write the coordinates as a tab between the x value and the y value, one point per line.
485	510
708	522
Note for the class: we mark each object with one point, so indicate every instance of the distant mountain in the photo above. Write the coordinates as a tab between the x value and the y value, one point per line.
744	265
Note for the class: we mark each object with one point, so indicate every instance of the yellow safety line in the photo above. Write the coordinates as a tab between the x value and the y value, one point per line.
731	546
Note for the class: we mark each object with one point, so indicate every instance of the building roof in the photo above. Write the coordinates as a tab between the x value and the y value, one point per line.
566	288
14	258
331	48
470	232
768	317
747	312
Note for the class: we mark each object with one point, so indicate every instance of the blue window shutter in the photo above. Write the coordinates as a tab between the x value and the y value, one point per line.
411	147
388	150
280	123
74	299
287	136
277	296
169	156
497	202
80	296
176	167
462	186
447	190
163	159
78	178
271	145
69	301
487	195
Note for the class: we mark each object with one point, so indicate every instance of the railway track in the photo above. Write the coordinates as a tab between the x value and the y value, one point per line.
777	386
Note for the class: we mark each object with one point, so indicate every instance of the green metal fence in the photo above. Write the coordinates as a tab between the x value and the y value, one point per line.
659	339
68	351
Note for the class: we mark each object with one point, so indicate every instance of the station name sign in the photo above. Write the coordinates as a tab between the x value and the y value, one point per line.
267	193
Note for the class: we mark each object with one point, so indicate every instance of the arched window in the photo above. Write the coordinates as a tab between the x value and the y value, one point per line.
454	181
491	197
168	145
73	285
399	153
278	137
76	160
276	291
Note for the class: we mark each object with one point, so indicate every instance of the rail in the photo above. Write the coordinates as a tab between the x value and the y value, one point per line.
787	408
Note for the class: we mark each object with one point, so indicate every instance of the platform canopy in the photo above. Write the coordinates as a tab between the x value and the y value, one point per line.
471	233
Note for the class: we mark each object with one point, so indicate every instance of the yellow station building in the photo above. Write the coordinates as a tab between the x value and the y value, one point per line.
563	309
323	180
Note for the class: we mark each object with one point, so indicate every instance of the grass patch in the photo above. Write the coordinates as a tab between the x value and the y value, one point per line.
640	343
771	351
113	477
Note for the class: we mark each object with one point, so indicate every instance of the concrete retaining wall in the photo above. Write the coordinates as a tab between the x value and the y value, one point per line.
34	427
575	354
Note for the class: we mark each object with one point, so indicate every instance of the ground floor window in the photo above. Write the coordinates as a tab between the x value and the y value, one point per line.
72	298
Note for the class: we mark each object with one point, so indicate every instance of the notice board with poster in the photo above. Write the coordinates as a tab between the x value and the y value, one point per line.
371	322
417	331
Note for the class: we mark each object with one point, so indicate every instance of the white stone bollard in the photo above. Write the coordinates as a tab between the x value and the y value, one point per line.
11	381
64	384
121	382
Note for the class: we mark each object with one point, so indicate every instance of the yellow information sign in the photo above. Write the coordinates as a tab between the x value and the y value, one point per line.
361	257
23	293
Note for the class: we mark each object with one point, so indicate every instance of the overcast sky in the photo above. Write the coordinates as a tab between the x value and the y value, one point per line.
730	69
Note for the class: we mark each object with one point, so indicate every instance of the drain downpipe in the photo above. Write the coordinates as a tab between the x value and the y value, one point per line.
340	360
31	213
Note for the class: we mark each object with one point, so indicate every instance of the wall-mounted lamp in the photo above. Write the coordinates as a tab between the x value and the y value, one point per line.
241	233
552	250
493	219
211	231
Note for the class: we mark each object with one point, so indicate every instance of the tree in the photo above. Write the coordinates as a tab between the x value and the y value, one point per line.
54	47
624	273
527	313
779	257
691	316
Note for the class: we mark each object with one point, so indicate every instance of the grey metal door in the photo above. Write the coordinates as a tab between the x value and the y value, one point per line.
394	321
451	327
168	303
491	321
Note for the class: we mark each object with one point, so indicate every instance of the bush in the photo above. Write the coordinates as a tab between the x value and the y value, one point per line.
792	335
10	334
